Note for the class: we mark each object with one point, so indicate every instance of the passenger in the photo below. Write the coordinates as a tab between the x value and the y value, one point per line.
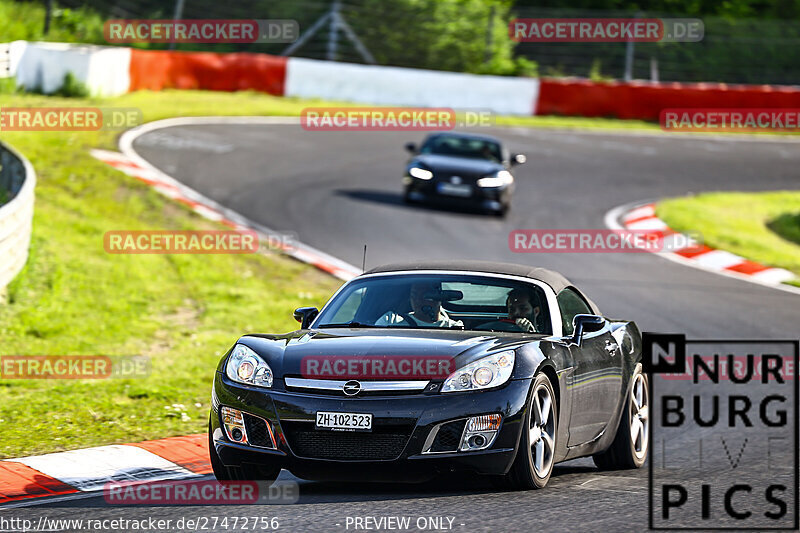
524	314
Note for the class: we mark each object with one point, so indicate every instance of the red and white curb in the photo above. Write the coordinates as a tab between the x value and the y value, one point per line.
77	473
642	217
134	165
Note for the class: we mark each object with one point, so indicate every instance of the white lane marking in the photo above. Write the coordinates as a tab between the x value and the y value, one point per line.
646	211
718	259
648	223
90	469
774	275
611	484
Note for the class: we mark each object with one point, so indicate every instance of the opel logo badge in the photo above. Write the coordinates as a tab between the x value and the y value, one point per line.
456	180
351	388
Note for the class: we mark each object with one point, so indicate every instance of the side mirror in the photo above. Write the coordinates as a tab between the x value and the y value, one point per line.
586	324
305	315
518	159
411	147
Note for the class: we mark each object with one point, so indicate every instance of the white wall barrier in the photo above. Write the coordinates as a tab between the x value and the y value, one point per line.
347	82
104	70
17	183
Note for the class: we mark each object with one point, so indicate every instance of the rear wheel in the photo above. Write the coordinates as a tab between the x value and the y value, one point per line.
630	446
536	453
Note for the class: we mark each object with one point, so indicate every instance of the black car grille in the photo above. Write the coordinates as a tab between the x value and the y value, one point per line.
257	431
448	437
381	444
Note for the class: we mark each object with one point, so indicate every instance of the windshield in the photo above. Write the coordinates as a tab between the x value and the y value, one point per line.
463	147
440	301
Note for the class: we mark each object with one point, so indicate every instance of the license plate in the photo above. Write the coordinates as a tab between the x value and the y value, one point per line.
344	421
455	190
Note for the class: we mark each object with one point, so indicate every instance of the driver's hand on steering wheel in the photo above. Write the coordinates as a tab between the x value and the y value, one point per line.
525	324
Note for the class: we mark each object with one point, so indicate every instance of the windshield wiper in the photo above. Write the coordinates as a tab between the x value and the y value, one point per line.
353	324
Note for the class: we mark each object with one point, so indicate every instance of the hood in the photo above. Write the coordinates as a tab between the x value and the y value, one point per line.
285	353
445	165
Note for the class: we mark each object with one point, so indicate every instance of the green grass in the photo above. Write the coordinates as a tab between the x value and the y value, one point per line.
183	311
763	227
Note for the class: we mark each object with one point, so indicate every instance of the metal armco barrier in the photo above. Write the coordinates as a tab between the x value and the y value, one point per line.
17	182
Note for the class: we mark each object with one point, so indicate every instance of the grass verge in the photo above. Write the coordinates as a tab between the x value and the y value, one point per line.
72	298
763	227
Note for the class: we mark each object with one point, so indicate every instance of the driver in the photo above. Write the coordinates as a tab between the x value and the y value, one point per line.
426	309
523	313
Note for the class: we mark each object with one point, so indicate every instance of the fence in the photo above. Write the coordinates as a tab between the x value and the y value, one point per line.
17	182
472	36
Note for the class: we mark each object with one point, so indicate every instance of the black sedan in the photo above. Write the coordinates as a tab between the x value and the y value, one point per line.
419	369
463	170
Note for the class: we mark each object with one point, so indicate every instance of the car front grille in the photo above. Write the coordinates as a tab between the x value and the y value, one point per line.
448	437
382	444
257	431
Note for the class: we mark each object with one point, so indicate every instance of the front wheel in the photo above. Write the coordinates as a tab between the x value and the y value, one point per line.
630	446
536	453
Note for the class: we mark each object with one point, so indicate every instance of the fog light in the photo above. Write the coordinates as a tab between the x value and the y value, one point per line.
233	421
476	441
480	432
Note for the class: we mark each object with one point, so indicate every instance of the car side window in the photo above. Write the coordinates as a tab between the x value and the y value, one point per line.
570	304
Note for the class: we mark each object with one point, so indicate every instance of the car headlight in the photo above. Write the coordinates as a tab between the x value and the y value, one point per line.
485	373
499	179
420	173
244	366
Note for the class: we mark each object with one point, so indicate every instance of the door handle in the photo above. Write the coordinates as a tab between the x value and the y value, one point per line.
611	347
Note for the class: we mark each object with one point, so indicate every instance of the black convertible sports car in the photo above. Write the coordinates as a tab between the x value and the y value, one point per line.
413	370
463	170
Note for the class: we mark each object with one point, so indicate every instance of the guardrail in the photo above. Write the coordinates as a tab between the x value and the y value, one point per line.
17	182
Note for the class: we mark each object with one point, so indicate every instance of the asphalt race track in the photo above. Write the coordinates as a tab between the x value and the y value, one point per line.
340	190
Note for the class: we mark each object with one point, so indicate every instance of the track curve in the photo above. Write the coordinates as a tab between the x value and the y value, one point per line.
338	191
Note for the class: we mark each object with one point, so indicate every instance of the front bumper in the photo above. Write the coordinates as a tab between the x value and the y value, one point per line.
489	198
299	445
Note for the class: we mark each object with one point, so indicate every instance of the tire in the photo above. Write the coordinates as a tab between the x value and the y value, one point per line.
223	473
631	443
220	471
534	462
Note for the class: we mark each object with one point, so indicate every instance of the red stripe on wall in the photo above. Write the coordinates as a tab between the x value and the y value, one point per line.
646	100
155	70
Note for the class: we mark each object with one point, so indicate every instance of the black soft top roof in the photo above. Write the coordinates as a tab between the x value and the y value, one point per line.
554	279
